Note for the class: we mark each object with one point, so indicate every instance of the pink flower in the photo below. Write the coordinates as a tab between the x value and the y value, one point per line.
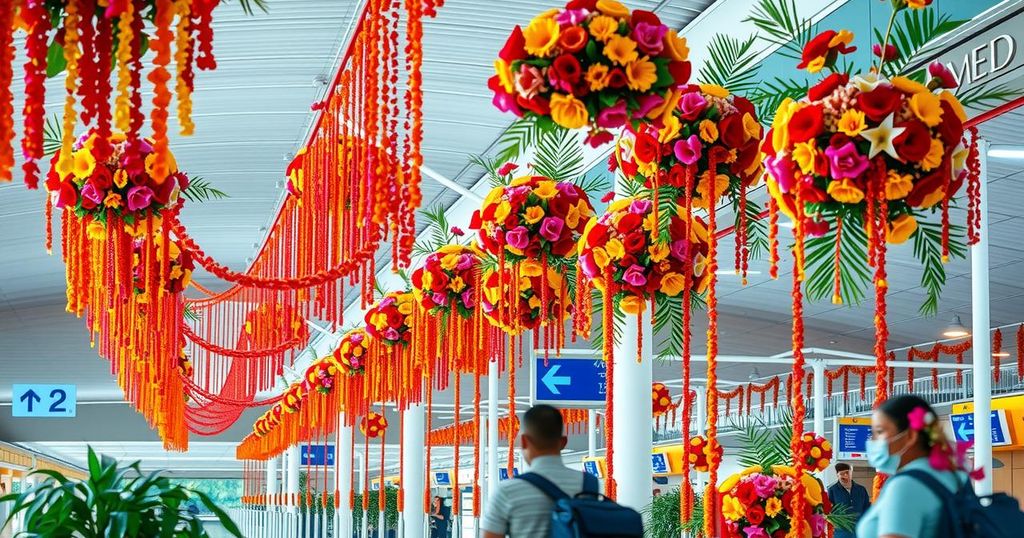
891	52
598	137
816	227
386	302
467	297
764	486
640	207
634	276
919	418
465	262
391	334
680	250
613	117
456	231
95	196
507	168
517	238
817	525
755	532
529	81
650	38
691	105
551	228
688	150
502	100
589	266
781	168
571	17
846	162
939	72
439	298
647	103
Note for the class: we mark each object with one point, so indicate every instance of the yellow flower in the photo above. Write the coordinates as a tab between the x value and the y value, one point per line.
732	508
457	284
603	27
960	155
502	211
897	185
843	37
113	201
533	214
568	111
772	506
852	122
812	491
545	190
714	90
804	153
751	128
927	107
664	110
96	231
658	251
120	178
600	257
530	268
917	4
641	74
597	77
572	217
676	46
504	71
620	49
953	102
541	36
428	280
670	129
844	191
816	64
615	249
448	262
84	165
525	283
708	131
704	188
672	284
612	9
907	85
780	124
534	302
631	304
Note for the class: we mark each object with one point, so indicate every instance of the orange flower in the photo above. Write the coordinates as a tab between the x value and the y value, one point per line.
676	46
113	200
597	77
641	74
708	131
844	191
568	111
620	49
603	27
612	9
541	36
897	185
631	304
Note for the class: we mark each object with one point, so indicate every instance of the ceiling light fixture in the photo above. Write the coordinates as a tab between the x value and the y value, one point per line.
1006	152
956	328
1001	354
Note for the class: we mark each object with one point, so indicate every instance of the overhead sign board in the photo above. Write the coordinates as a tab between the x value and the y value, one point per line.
851	437
568	382
44	401
503	472
442	478
963	427
316	454
594	466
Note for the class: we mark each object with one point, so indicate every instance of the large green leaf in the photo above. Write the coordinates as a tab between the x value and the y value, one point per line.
911	31
559	155
780	25
927	241
731	63
854	273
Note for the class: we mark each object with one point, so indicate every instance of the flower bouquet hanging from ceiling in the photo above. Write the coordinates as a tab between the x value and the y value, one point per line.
591	63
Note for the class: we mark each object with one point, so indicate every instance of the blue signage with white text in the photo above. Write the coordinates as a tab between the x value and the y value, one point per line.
592	467
569	382
44	401
442	479
963	427
659	463
316	455
854	437
503	473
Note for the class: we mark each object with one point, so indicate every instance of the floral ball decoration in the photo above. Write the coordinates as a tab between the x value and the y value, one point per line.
390	319
817	450
113	177
320	375
641	260
373	425
661	399
350	357
533	218
527	312
756	503
592	63
702	455
445	281
709	127
293	397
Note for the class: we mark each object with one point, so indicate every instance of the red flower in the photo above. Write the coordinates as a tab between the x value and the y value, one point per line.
538	105
821	47
825	88
640	15
558	207
629	221
616	78
102	178
596	235
66	195
891	52
879	103
646	147
745	494
598	138
515	46
951	130
589	5
806	124
677	174
755	514
608	197
732	131
458	231
634	242
563	247
680	72
565	72
507	168
927	185
573	39
914	142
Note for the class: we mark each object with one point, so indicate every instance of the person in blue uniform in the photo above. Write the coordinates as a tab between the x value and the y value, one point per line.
850	494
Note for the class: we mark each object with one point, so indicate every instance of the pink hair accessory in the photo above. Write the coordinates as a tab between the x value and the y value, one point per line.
920	418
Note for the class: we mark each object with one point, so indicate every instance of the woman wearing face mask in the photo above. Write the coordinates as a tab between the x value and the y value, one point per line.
906	437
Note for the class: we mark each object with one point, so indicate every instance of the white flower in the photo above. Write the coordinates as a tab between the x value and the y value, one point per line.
881	137
869	81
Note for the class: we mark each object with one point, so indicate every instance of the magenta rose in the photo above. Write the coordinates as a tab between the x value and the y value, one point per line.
91	195
650	38
781	168
634	276
139	198
551	228
846	162
688	150
647	103
613	117
517	238
692	105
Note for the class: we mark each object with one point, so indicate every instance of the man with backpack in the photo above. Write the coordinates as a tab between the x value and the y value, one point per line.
552	499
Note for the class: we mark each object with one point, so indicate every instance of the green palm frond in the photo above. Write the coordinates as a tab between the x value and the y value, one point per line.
842	518
779	449
757	228
754	440
440	232
519	136
490	167
190	313
781	25
201	190
928	251
595	186
53	135
559	155
854	273
662	516
770	94
985	97
731	63
911	32
249	7
695	525
668	324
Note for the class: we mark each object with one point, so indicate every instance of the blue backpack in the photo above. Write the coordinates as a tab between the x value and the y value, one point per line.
588	514
965	515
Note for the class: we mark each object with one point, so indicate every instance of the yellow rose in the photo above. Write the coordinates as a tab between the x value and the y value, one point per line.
502	211
545	190
852	122
664	110
772	506
541	36
676	46
612	9
631	304
534	302
603	27
84	164
428	280
568	111
917	4
96	231
615	249
641	74
732	508
405	307
812	491
805	153
533	214
708	131
524	284
933	198
844	191
704	189
597	77
530	268
714	90
672	284
901	229
600	257
504	71
927	107
457	284
897	185
120	178
621	49
960	155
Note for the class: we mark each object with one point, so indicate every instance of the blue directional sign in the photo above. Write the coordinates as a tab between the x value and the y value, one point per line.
659	463
442	478
569	382
503	473
44	401
851	437
316	455
963	427
592	467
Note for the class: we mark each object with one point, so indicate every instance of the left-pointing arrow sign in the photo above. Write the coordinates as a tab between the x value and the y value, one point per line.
552	381
32	398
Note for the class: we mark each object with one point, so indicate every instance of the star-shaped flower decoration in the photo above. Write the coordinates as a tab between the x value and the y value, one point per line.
868	81
881	137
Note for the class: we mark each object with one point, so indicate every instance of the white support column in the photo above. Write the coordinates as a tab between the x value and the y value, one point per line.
982	346
364	523
591	432
492	427
413	468
273	486
818	367
343	477
633	424
292	485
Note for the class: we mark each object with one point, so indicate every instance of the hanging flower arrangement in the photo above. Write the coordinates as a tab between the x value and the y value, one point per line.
755	503
701	453
661	399
592	63
445	282
373	425
179	274
527	310
389	321
817	451
320	376
350	357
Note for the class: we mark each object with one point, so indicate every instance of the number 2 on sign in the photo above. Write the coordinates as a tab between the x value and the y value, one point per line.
58	396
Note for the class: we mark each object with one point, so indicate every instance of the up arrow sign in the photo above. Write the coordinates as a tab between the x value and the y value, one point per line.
553	381
32	398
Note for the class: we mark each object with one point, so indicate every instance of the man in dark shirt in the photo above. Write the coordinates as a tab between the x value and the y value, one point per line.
849	493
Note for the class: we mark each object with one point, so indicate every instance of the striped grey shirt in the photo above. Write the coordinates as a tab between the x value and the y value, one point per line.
520	510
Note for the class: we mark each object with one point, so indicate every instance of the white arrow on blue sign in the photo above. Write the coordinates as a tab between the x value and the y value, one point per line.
44	401
963	427
569	382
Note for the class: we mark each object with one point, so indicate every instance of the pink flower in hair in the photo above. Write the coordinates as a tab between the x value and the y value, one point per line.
920	418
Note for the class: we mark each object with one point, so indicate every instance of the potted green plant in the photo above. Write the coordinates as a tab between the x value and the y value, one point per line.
115	500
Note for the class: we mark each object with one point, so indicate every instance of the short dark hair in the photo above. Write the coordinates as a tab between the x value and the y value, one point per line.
840	467
543	424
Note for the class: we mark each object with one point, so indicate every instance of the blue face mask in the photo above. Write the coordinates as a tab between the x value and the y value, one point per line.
880	458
